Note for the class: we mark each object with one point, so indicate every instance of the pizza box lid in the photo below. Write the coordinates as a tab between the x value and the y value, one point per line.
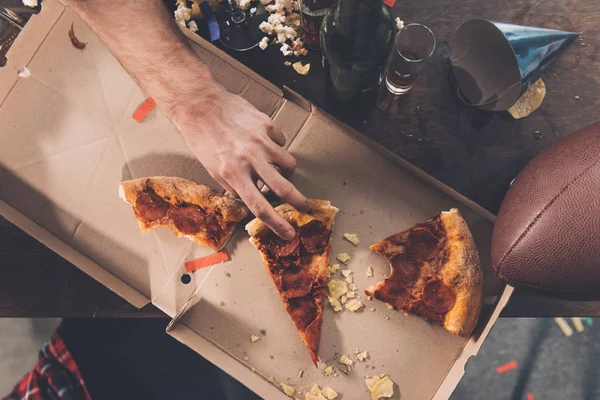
75	110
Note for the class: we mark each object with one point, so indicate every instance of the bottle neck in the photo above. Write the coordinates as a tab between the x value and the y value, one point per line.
357	18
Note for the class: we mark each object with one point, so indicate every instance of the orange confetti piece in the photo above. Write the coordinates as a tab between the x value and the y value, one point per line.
506	367
203	262
530	396
144	109
389	3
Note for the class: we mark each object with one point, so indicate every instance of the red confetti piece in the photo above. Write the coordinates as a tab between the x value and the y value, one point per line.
76	42
530	396
506	367
389	3
144	109
203	262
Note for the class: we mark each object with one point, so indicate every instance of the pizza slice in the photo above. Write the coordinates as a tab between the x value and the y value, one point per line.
299	266
191	210
435	273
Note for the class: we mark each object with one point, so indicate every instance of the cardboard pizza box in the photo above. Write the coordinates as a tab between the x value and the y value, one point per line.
68	139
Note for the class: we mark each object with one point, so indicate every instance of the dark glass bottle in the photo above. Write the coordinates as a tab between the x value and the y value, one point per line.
356	40
312	13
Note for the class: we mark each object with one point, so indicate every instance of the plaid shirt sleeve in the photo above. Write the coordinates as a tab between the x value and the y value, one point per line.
54	377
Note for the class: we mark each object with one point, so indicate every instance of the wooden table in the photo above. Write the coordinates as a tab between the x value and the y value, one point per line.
476	152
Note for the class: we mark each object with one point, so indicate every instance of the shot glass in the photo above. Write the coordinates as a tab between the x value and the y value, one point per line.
413	46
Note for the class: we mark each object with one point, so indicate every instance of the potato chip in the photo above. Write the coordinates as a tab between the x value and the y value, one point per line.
301	69
530	101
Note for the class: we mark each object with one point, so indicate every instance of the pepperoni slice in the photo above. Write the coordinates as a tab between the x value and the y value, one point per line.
189	218
296	281
286	249
150	206
419	308
422	244
314	237
438	297
405	271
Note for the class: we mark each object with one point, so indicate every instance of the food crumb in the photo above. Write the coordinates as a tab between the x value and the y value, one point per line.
287	389
354	305
350	279
380	387
372	309
350	294
335	304
346	273
329	370
343	299
369	271
337	288
387	317
352	238
254	338
287	63
329	393
253	369
272	380
300	373
301	69
399	23
345	360
362	356
577	98
334	268
246	358
370	298
343	257
352	286
389	306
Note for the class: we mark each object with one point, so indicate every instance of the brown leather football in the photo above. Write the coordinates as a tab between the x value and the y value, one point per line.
547	234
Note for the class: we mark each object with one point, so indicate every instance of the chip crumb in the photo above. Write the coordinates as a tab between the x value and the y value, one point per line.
287	389
352	238
344	359
329	370
315	394
246	358
350	279
254	338
272	380
343	257
530	101
343	299
334	268
380	387
372	309
253	369
354	305
388	305
300	373
335	304
577	98
362	356
337	288
369	271
301	69
350	294
352	286
315	390
24	72
387	317
287	63
346	273
370	298
329	393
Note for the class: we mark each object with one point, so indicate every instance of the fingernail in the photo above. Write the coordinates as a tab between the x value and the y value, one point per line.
289	234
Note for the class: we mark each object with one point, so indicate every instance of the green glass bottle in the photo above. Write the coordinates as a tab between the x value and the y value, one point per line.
356	40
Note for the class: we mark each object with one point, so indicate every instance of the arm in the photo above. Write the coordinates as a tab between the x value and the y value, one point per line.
235	142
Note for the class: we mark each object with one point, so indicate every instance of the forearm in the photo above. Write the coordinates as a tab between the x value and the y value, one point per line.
161	61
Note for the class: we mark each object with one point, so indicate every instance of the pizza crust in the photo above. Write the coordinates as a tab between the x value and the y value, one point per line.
174	190
463	274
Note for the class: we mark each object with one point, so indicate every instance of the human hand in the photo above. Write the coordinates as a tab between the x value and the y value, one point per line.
239	145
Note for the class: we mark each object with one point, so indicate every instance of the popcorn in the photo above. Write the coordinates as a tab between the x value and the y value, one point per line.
264	43
193	26
399	23
266	27
285	50
182	14
30	3
265	2
244	4
276	19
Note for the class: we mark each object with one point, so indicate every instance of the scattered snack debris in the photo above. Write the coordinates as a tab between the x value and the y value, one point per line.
329	370
264	43
361	356
24	72
372	309
284	24
335	304
142	111
346	273
354	305
389	306
253	369
530	101
343	299
254	338
343	257
334	268
301	69
380	387
207	261
182	13
272	380
76	43
352	238
300	373
564	326
370	298
350	294
345	360
192	26
246	358
577	98
329	393
399	23
287	63
287	389
506	367
30	3
349	279
387	317
577	324
337	288
369	271
352	286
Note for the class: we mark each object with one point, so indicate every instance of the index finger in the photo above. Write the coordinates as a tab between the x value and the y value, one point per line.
260	207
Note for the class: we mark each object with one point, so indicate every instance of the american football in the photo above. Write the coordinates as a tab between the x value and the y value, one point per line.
547	234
